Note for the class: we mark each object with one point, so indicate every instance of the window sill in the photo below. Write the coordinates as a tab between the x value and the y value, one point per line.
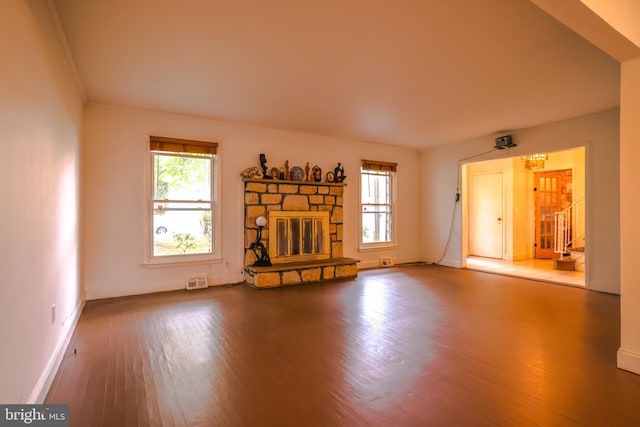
180	263
378	247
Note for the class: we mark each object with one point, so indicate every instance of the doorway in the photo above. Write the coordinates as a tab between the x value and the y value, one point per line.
526	217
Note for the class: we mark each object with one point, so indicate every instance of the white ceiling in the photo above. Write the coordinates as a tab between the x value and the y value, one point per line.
407	72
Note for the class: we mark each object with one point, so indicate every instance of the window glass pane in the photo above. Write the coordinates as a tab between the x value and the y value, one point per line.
376	200
178	177
376	187
183	231
376	224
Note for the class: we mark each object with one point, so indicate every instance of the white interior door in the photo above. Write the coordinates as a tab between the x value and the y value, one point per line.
486	212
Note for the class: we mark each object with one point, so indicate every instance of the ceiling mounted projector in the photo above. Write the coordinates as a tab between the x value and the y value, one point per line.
503	142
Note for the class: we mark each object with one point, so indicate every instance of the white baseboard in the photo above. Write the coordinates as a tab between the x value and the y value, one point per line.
629	360
375	263
451	263
516	257
400	261
41	389
229	279
604	287
140	289
364	265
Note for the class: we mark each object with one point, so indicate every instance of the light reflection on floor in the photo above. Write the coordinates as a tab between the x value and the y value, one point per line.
537	269
381	366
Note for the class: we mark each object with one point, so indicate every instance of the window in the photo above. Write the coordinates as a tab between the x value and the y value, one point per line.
183	209
377	202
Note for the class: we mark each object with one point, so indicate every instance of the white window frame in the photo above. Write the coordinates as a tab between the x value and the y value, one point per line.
214	256
394	213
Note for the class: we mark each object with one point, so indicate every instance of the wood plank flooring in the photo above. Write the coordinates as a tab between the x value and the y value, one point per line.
406	346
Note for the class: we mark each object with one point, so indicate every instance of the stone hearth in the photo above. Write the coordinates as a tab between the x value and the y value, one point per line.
295	273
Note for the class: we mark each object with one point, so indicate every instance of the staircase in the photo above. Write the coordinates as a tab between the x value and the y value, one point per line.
577	254
569	237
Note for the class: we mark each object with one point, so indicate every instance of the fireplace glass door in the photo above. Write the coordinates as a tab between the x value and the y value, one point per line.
298	236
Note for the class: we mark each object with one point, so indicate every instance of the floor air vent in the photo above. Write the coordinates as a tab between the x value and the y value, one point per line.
196	282
386	262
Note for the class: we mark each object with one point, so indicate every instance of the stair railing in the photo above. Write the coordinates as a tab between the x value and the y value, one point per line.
568	226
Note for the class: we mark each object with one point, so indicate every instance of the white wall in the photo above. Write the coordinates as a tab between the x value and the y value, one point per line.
619	14
114	197
600	134
40	119
629	353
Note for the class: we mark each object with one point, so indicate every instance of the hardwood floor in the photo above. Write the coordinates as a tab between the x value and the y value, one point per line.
407	346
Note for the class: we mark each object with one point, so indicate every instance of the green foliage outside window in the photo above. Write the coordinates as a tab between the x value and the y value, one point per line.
182	203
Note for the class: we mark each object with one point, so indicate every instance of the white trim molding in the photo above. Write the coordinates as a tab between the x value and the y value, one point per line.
41	388
629	360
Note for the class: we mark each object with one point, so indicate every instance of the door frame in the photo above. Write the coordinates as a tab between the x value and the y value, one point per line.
465	201
585	185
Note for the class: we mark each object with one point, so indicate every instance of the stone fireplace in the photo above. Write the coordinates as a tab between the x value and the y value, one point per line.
303	233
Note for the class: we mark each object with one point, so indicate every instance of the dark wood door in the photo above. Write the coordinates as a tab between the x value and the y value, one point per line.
553	194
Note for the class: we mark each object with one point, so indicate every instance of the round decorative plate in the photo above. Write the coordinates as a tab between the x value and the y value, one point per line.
296	173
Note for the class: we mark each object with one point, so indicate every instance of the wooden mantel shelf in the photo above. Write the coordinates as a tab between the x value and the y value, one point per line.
287	181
